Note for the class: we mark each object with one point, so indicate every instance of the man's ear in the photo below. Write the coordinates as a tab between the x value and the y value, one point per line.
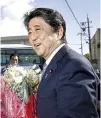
60	32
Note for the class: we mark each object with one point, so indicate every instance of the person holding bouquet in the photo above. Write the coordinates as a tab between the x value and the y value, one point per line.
13	61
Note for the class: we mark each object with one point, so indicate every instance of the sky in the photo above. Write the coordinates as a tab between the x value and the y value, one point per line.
11	13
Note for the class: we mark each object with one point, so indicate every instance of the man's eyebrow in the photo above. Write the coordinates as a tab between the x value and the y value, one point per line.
36	26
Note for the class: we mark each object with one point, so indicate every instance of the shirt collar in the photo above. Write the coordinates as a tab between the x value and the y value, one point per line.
53	54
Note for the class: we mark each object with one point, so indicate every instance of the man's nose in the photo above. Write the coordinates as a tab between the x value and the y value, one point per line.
34	37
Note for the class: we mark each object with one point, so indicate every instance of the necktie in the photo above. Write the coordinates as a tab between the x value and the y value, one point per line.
44	69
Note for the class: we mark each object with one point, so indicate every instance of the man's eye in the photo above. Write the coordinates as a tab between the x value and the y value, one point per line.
29	33
37	29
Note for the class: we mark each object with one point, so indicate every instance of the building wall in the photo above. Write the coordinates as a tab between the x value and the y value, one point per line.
95	46
26	42
15	40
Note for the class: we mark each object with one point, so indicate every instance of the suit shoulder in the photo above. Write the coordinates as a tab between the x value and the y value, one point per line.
74	61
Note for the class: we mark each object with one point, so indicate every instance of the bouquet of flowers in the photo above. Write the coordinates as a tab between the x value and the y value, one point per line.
23	81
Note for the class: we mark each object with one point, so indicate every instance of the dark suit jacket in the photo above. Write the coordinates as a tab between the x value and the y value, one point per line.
68	87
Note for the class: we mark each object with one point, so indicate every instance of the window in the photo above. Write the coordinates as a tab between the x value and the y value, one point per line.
26	56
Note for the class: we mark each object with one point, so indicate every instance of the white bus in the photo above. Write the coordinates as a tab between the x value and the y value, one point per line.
26	54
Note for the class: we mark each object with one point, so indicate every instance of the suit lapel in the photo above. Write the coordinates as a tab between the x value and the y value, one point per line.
51	68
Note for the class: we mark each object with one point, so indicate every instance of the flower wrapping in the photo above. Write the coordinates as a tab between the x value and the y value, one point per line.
23	82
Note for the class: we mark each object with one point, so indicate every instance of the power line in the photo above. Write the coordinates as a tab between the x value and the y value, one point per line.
73	14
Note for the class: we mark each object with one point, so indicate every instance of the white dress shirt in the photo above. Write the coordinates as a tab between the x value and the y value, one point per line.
53	54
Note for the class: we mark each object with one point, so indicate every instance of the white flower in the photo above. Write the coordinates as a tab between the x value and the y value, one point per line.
18	79
16	74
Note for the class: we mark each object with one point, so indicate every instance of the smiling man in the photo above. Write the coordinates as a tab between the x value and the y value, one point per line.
68	85
41	37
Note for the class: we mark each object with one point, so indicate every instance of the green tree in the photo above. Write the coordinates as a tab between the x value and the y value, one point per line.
87	56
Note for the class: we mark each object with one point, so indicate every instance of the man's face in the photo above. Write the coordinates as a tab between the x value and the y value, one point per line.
42	38
14	60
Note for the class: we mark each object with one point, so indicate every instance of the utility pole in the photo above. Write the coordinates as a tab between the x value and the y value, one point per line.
84	27
90	49
81	43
